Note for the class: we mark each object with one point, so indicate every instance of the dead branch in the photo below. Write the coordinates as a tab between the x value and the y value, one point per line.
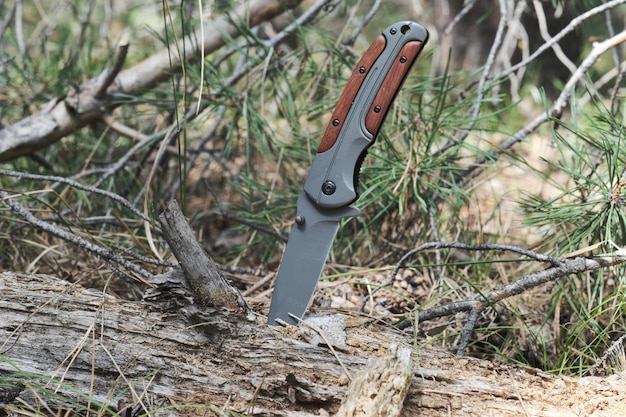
571	26
555	111
561	267
111	75
79	186
63	115
207	282
103	252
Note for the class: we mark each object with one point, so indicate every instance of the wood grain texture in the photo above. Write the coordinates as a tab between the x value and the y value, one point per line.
380	389
391	85
99	345
349	93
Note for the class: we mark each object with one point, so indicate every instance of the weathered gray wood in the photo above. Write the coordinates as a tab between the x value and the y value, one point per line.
205	278
380	389
100	345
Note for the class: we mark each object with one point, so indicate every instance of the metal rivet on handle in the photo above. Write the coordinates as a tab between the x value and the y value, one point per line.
393	31
377	109
362	70
403	59
329	187
336	122
300	220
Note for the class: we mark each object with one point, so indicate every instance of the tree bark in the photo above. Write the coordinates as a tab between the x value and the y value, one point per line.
73	341
94	99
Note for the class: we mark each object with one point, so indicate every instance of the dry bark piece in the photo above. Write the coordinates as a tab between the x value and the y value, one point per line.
380	389
207	282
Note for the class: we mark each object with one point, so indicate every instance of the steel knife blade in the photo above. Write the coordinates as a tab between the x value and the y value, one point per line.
331	185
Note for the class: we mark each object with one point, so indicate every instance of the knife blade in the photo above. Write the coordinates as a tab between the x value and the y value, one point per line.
331	185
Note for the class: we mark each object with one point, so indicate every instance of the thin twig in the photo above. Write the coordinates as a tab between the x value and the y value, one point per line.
142	258
114	71
543	30
255	396
491	59
101	251
621	69
74	184
480	165
19	28
280	36
123	129
80	39
466	9
481	301
260	283
349	41
468	329
465	246
432	221
573	24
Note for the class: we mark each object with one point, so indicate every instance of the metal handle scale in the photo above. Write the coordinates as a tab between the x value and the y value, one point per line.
360	112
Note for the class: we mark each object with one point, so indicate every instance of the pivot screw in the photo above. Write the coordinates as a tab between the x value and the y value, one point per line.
377	109
336	122
402	59
329	187
393	31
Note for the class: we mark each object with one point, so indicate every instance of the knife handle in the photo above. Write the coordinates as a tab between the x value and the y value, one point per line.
386	94
360	112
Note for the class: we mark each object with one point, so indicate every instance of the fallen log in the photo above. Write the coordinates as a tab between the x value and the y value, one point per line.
75	347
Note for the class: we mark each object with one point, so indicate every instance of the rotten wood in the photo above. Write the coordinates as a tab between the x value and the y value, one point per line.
64	115
73	340
207	282
380	390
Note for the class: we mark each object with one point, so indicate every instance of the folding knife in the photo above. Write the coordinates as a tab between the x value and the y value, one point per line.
332	182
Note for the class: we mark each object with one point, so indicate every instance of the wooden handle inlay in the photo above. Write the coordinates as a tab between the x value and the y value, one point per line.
391	85
349	93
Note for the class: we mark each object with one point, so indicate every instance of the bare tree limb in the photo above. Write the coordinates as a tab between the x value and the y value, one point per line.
555	110
481	301
113	72
63	115
79	186
576	22
560	267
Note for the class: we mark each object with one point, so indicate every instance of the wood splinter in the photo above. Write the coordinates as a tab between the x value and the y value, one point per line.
380	389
